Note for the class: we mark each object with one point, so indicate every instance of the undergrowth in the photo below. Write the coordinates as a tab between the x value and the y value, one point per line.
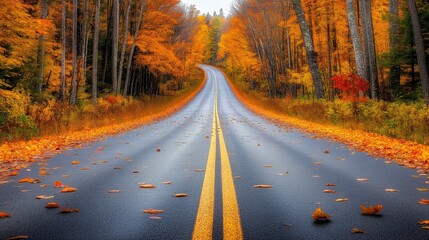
22	119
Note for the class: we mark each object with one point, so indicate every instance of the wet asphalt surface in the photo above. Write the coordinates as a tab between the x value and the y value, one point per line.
175	150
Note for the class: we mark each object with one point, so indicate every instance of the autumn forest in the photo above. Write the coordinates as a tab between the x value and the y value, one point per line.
354	64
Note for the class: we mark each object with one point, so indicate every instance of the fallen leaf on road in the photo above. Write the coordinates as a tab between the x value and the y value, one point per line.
319	215
362	179
329	191
326	151
25	190
317	163
158	150
66	210
262	186
424	222
371	210
341	199
423	201
357	230
27	180
422	189
113	191
18	237
103	161
85	168
13	173
167	182
58	184
43	173
391	190
425	227
52	205
43	185
181	195
44	197
147	186
5	215
153	211
268	166
75	162
68	189
136	172
331	184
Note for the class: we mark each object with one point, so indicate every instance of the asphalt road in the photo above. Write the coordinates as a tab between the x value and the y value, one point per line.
214	142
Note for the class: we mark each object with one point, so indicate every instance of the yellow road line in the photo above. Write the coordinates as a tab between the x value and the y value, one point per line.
231	216
231	213
203	228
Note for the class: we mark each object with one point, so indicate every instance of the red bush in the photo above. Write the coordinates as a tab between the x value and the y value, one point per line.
351	86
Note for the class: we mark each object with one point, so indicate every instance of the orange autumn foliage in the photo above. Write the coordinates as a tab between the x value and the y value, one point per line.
319	215
405	153
5	215
371	210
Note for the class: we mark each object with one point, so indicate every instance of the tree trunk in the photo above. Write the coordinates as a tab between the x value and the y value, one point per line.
95	52
124	45
420	49
309	47
41	49
369	43
354	32
73	91
63	53
84	42
395	70
130	57
115	46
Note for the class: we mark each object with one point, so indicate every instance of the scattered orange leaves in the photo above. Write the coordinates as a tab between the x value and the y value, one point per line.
329	191
44	197
422	189
357	230
391	190
424	222
68	189
52	205
5	215
262	186
69	210
181	195
371	210
319	215
114	191
13	173
147	186
75	162
153	211
58	184
423	201
19	237
27	180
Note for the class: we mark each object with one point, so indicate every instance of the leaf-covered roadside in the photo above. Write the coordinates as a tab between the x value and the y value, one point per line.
405	153
17	155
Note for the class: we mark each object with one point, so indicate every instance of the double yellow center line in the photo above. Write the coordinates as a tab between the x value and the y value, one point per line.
231	216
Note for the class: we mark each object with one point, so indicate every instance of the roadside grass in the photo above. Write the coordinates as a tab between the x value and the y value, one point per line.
396	131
